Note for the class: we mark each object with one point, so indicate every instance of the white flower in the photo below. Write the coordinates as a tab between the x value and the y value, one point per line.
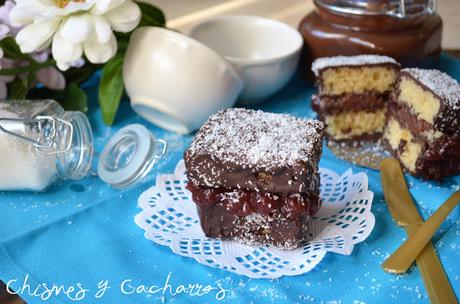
73	27
50	77
5	30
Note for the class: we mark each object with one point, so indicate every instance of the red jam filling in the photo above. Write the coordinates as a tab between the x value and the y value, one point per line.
243	202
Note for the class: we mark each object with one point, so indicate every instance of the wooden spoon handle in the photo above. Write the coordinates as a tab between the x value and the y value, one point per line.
436	283
402	258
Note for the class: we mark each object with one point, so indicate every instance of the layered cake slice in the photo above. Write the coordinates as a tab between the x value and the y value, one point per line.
423	123
254	176
353	92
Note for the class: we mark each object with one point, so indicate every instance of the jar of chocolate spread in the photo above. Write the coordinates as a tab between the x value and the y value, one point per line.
407	30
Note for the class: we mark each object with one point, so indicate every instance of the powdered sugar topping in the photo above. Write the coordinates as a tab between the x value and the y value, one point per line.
259	139
326	62
443	85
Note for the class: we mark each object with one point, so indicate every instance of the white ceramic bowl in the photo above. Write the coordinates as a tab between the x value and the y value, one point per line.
264	51
176	82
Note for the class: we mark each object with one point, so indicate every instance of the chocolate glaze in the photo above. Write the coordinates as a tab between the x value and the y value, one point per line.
369	101
411	42
439	158
299	178
277	230
447	120
297	142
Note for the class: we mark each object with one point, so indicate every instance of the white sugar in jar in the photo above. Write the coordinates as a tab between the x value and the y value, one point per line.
40	142
23	167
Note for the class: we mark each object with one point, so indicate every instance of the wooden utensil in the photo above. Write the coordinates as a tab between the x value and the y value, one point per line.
405	255
405	213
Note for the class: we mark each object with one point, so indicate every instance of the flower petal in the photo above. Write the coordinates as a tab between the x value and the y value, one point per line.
4	31
65	52
102	6
100	52
77	63
3	90
125	17
30	11
75	7
51	78
7	63
77	28
36	36
102	29
41	56
5	11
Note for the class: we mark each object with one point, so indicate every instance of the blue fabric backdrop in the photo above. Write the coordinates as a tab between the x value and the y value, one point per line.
82	235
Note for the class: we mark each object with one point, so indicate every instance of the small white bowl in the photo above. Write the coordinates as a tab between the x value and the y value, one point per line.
176	82
264	51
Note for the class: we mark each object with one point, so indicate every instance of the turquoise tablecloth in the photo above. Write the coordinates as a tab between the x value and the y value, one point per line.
82	235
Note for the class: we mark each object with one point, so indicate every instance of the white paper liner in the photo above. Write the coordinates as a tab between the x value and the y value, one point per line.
169	218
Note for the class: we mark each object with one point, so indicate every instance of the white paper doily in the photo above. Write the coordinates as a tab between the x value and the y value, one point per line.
169	218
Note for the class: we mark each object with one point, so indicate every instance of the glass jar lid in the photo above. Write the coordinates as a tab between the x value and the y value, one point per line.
395	8
129	155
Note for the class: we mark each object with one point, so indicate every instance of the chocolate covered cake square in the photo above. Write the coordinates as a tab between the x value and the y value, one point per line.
353	93
254	176
423	123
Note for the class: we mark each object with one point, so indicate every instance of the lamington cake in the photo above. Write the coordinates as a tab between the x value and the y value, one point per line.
423	123
254	176
353	92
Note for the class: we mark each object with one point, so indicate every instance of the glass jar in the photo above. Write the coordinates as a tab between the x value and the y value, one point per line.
40	143
407	30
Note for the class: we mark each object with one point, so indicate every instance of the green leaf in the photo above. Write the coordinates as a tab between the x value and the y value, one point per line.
151	15
74	98
111	88
31	79
11	49
81	74
123	42
18	88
